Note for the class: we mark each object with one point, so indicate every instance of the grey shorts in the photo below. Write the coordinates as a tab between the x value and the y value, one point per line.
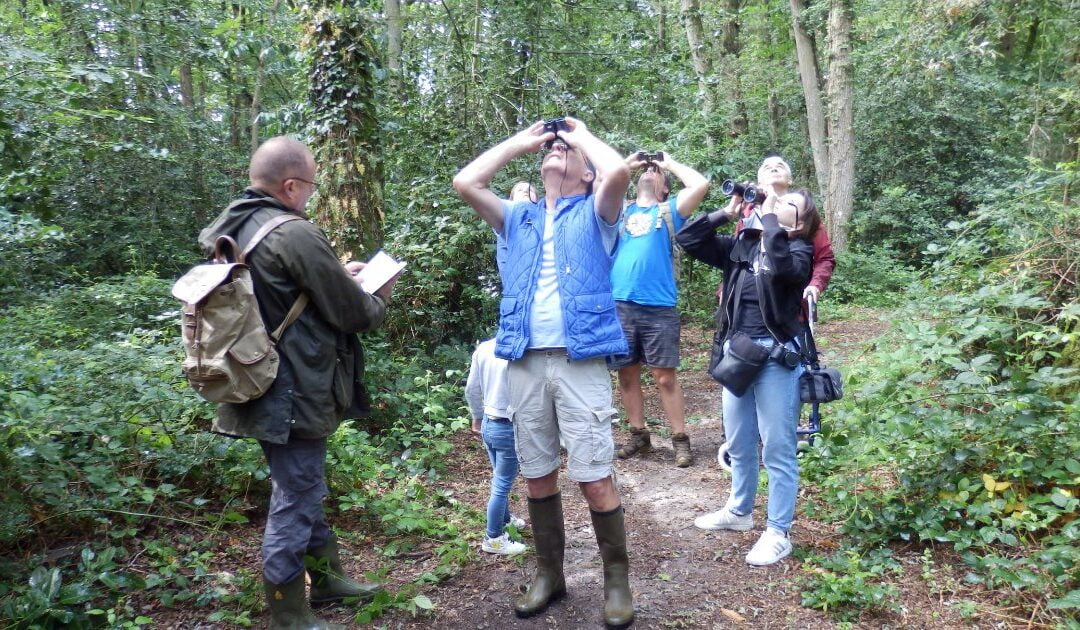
552	397
652	334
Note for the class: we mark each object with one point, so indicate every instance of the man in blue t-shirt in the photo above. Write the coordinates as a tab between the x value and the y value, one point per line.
644	286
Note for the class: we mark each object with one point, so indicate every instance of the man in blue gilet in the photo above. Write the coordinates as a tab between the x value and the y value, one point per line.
557	325
646	292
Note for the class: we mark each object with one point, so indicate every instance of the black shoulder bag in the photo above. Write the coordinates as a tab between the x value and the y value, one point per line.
737	368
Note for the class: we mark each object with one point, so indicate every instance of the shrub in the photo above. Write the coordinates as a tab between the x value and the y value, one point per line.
965	425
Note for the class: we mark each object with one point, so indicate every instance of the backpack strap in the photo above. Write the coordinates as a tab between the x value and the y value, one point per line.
302	300
294	313
665	213
266	228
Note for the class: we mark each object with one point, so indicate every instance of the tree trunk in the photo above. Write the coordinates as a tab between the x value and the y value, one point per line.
187	87
344	62
730	54
815	112
260	81
661	26
393	41
690	11
841	125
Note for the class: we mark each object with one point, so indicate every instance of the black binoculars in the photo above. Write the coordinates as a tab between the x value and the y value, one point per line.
649	158
555	125
748	192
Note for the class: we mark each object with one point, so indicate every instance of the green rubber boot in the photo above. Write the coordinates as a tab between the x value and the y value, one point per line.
548	584
611	538
328	580
289	608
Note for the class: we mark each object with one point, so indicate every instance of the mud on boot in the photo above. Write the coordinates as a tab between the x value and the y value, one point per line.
681	443
640	442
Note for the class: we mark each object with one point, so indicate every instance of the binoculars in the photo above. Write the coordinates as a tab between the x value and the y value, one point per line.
649	158
748	192
555	125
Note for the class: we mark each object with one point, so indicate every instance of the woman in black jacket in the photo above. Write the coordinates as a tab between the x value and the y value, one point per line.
765	268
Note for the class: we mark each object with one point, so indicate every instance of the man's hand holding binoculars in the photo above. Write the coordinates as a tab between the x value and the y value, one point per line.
642	159
531	138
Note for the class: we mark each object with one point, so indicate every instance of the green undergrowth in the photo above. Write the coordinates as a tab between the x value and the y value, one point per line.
119	504
962	425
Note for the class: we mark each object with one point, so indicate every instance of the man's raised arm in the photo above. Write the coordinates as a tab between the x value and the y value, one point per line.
612	173
472	182
695	185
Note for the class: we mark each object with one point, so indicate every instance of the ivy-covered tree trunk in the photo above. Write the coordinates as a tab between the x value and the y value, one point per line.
841	125
345	127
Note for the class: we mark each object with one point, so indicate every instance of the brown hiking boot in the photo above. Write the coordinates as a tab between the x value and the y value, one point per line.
681	443
639	442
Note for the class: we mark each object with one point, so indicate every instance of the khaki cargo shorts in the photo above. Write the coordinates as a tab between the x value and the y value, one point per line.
552	396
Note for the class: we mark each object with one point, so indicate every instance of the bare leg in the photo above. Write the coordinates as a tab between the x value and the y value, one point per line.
600	495
545	486
632	397
671	397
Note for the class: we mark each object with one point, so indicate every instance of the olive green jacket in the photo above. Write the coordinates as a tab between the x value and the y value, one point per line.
319	381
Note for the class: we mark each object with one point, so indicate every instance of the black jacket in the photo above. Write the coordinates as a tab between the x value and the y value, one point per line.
785	269
319	381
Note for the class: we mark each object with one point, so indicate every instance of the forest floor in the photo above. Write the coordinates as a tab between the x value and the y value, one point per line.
681	577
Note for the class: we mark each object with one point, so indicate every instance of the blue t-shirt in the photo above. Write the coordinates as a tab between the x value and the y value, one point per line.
643	271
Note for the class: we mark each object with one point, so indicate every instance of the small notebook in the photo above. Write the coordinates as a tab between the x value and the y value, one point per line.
378	271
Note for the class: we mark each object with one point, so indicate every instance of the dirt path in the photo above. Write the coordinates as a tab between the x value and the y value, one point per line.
681	577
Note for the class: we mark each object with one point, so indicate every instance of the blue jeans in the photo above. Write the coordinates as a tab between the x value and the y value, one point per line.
498	435
769	411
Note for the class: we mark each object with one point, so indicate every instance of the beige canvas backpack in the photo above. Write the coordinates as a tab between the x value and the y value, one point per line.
229	357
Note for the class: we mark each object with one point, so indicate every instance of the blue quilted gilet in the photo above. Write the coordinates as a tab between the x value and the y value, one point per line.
584	273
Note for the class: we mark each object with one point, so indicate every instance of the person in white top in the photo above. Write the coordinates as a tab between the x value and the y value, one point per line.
485	391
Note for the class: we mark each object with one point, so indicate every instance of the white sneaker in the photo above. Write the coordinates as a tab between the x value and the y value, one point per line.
772	547
517	521
724	519
503	546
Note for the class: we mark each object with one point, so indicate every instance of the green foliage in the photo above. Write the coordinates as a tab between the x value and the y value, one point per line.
449	292
965	426
848	585
102	440
871	278
29	251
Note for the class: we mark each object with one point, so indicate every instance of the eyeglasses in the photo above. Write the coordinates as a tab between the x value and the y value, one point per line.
300	179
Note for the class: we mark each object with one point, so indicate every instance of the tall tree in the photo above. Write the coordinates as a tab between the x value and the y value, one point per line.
730	48
840	194
392	8
806	56
700	56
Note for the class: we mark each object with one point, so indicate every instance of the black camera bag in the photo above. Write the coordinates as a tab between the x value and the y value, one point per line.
818	384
